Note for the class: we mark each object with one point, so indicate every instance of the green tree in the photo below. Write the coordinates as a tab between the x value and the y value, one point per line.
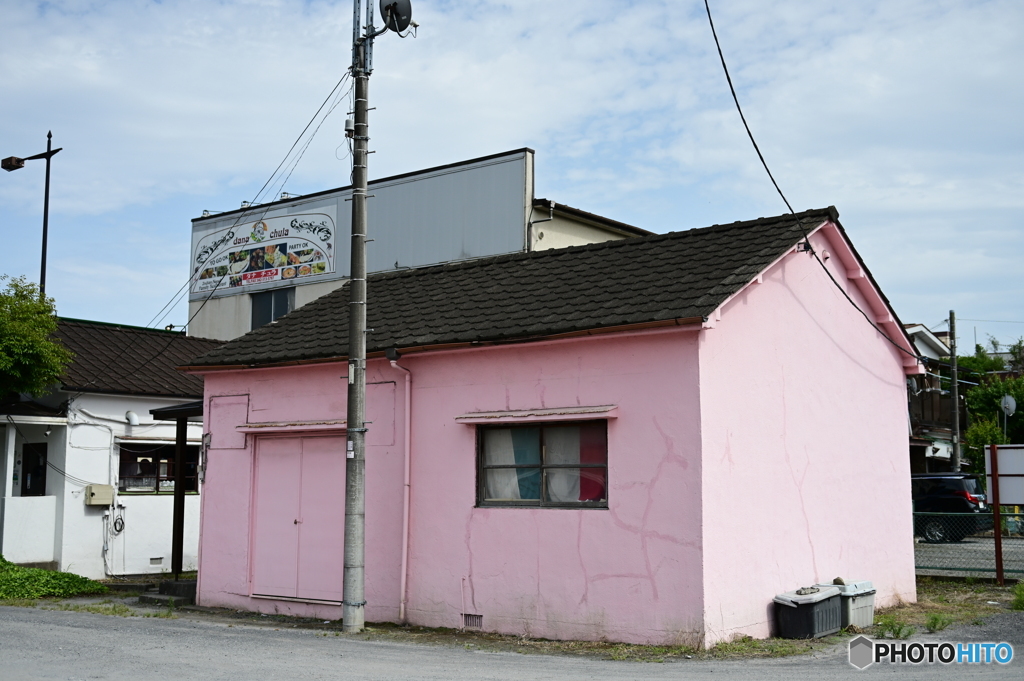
980	362
983	403
982	433
30	359
1016	351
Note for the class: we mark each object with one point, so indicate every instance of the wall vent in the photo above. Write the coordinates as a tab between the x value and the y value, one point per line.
472	621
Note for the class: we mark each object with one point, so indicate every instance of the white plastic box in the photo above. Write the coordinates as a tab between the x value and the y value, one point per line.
858	603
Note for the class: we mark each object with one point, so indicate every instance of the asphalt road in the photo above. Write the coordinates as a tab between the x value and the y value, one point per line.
50	644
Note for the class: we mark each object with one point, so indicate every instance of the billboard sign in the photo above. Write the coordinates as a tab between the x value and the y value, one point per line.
288	248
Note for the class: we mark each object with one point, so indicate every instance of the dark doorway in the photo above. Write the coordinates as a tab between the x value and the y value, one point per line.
33	470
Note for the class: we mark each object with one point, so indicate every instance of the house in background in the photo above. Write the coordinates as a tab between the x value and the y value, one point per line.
641	440
931	406
93	436
252	265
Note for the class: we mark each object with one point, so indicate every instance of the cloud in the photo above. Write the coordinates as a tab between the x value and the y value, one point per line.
903	114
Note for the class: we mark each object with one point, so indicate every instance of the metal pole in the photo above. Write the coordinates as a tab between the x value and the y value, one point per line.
46	212
993	451
955	392
353	605
178	523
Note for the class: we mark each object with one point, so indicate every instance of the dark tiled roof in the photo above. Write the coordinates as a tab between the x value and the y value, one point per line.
110	358
680	275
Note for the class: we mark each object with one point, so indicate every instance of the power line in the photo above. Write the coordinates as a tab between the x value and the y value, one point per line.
256	199
739	109
181	292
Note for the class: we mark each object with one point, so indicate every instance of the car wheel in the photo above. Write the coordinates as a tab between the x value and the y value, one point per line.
934	531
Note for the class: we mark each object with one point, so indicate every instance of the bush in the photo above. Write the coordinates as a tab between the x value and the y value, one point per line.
1018	597
20	582
892	626
937	621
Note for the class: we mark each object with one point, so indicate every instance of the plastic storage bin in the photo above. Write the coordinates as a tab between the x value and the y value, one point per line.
858	603
810	612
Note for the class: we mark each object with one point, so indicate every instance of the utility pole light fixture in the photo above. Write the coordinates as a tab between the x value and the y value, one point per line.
397	16
14	163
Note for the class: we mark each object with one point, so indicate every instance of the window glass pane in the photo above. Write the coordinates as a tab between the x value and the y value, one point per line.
563	484
526	445
562	445
282	302
567	485
508	484
593	485
502	483
594	443
262	308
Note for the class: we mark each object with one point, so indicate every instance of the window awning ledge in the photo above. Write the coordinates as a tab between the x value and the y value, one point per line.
293	427
608	411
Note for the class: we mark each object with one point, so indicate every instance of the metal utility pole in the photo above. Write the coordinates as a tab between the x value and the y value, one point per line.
955	392
14	163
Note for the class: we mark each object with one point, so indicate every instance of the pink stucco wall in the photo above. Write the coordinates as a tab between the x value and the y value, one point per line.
747	459
805	466
631	572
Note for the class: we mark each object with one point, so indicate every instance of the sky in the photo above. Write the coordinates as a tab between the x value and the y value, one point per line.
904	114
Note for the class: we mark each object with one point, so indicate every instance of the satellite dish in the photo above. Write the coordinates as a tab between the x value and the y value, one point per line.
397	14
1008	404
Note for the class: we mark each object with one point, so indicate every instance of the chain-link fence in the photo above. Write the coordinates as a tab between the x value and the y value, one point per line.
948	544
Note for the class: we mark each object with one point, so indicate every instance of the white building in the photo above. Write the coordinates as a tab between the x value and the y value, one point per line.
93	435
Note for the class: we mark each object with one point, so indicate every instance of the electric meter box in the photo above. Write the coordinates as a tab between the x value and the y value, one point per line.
99	495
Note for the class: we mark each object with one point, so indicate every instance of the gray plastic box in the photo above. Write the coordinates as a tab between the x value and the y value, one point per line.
858	603
809	615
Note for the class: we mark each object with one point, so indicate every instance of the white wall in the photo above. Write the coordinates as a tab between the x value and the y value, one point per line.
95	421
229	317
28	528
561	232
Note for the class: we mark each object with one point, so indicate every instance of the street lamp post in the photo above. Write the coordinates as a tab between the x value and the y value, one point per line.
14	163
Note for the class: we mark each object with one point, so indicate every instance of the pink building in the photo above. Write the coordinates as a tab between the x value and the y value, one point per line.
642	440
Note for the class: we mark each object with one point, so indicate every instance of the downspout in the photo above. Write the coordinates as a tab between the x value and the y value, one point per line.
405	491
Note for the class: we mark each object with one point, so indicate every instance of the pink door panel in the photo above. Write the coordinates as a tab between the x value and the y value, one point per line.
322	514
275	542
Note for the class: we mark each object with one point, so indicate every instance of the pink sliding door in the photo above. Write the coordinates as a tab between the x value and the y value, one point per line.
298	549
322	527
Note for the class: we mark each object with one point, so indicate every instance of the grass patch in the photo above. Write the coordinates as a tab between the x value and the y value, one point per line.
19	602
1018	597
937	621
961	602
746	647
165	614
28	583
108	608
892	625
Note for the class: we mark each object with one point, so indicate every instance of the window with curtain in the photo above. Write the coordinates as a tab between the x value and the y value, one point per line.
553	465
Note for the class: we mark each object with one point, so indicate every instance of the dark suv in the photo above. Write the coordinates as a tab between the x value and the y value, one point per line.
948	506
